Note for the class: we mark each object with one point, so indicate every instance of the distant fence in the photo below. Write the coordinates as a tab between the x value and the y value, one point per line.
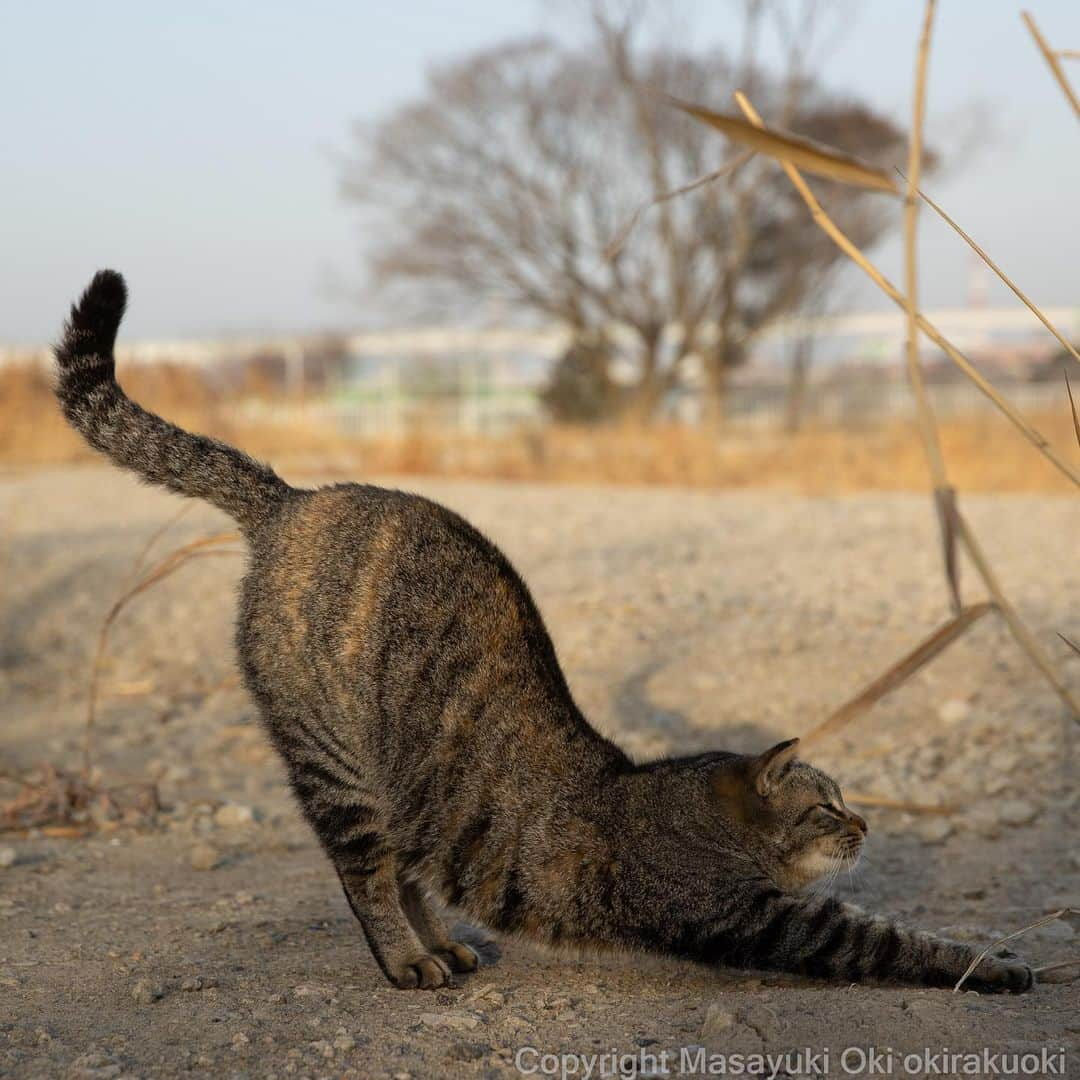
758	406
487	381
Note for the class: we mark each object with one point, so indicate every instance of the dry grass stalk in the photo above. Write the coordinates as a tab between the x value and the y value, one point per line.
161	570
1068	914
70	805
1052	61
1028	303
945	505
66	804
830	228
154	537
1061	965
944	494
1072	406
856	798
1020	632
816	159
898	674
1072	644
618	241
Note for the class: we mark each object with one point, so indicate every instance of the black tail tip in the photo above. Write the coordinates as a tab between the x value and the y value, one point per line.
103	302
95	319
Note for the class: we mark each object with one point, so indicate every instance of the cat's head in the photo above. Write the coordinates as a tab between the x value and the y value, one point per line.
796	810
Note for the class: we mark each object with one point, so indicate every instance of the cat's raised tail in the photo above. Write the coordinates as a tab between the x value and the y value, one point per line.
135	439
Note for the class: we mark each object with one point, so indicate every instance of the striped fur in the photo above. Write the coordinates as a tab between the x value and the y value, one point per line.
406	677
134	439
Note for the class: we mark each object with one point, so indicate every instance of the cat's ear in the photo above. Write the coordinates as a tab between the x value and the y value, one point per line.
766	768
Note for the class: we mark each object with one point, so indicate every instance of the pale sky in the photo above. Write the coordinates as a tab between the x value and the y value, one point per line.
190	146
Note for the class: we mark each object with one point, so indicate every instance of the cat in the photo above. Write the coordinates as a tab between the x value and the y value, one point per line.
404	674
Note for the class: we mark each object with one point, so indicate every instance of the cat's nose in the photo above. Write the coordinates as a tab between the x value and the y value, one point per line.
859	822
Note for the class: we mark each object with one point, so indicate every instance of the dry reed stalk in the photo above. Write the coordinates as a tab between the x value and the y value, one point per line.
1072	406
944	494
860	799
1068	914
811	156
154	537
161	570
1028	303
1072	644
1020	632
1061	965
1052	61
830	228
898	674
618	241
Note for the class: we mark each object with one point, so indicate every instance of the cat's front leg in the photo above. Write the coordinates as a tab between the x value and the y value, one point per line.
821	936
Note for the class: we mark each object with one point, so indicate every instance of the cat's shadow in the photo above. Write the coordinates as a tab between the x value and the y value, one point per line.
637	714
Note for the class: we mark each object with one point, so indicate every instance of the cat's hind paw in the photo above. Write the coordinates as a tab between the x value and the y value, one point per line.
1001	975
458	957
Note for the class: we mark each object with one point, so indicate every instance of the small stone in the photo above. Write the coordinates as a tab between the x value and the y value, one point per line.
344	1043
717	1019
922	1005
1016	812
453	1021
954	711
486	996
192	984
985	822
234	816
1003	761
513	1022
95	1066
205	857
468	1051
935	830
240	1040
8	857
146	991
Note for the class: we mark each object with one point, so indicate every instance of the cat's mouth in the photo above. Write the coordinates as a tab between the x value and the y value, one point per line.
826	862
849	849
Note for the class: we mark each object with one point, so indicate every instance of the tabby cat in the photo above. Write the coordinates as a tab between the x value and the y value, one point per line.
407	679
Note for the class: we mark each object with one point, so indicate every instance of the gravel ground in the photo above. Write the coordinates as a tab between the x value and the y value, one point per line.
214	938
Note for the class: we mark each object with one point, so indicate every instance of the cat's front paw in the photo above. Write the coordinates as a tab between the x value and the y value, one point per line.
1001	975
421	971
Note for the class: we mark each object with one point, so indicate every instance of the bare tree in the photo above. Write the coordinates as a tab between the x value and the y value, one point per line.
505	182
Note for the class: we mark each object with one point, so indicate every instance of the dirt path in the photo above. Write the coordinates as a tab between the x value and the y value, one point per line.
685	621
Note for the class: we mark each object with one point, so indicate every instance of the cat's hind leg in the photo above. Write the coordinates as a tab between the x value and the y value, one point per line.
432	930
